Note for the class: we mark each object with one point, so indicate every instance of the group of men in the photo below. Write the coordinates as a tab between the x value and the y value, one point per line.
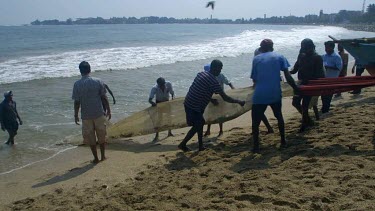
89	95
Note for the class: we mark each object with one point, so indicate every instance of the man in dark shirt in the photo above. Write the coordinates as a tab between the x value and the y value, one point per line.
309	66
197	99
9	116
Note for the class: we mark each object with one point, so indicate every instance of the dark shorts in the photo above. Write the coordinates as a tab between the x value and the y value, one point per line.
11	126
194	117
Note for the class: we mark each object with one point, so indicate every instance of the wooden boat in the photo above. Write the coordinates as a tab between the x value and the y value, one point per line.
362	49
171	114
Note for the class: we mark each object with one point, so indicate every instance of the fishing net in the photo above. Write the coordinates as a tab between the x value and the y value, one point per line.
171	114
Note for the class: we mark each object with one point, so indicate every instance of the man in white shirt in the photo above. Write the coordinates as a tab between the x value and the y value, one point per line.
161	92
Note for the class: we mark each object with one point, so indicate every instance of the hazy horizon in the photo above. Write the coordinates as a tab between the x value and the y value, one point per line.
18	12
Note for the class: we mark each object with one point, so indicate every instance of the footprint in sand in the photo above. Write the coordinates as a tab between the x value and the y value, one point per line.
255	199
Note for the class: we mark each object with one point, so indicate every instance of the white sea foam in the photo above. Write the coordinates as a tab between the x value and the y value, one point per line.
32	163
125	58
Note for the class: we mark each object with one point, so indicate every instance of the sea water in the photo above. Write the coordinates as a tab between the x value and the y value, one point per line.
40	65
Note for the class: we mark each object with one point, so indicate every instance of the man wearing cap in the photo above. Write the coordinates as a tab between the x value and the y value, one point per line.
266	77
89	94
333	65
197	99
309	66
9	116
161	92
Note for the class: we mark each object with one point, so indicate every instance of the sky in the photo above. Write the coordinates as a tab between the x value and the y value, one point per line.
17	12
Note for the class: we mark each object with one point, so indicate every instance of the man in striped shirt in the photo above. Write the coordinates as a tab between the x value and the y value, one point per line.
197	99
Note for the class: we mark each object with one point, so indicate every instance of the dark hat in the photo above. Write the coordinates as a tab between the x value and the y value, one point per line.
216	64
266	43
8	94
307	43
160	81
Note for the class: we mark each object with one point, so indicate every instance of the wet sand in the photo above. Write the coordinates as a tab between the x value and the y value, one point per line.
329	167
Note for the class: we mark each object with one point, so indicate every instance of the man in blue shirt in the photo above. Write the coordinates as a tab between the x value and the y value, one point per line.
266	77
333	65
197	99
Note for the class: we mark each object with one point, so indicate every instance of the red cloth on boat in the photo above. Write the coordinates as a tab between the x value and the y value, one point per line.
328	86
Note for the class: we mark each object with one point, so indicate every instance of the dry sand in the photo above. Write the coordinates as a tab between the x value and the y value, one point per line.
330	167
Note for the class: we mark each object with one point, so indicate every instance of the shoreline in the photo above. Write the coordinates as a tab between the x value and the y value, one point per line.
72	168
360	27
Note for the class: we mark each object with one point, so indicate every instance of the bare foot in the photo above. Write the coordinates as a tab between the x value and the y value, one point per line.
202	148
270	131
256	150
184	148
170	135
95	161
220	134
103	159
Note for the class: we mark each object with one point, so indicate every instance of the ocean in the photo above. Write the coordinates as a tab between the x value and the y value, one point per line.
40	65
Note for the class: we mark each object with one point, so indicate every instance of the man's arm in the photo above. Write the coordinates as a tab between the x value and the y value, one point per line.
77	104
110	92
171	90
106	105
1	117
339	63
214	101
319	68
231	85
152	95
228	99
290	80
353	68
296	65
18	116
151	102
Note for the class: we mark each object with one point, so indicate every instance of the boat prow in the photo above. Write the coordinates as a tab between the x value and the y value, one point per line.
363	49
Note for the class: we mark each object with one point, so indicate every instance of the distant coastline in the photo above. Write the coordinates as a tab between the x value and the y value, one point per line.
351	19
360	27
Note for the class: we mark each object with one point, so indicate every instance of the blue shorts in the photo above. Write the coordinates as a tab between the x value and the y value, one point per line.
194	117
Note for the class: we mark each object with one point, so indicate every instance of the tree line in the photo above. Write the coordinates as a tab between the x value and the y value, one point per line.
343	16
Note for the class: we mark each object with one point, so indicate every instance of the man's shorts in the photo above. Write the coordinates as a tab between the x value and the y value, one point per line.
11	126
194	117
94	128
314	101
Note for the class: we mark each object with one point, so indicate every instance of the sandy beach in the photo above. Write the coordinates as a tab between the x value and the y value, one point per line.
330	167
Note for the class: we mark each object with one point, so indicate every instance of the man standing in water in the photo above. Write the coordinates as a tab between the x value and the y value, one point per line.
266	77
161	92
9	116
197	99
89	94
309	66
333	65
